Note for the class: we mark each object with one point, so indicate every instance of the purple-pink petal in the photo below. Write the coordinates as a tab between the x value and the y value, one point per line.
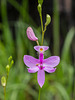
49	70
51	61
33	70
41	77
37	48
30	61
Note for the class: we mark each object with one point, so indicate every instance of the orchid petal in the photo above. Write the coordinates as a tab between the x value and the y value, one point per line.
51	61
49	70
30	61
33	70
41	48
41	77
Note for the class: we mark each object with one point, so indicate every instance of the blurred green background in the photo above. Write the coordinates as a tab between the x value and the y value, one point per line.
15	17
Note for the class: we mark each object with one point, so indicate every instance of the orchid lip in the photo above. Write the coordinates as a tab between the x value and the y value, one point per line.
41	67
41	49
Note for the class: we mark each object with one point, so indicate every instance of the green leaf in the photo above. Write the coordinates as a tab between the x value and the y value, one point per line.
67	44
14	95
62	91
56	25
7	37
40	1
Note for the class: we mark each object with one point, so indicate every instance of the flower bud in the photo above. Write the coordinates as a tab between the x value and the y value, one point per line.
39	8
48	19
12	62
7	68
3	81
31	35
10	58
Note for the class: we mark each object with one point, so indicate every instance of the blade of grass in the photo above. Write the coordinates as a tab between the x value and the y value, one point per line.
6	31
24	11
67	45
56	45
62	91
15	4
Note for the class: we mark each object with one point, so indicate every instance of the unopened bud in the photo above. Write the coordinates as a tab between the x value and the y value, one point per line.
10	58
3	81
39	8
31	35
7	68
12	62
48	19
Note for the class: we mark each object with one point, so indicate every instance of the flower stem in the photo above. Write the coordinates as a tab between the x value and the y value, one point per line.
4	92
43	34
42	28
5	87
37	43
41	21
42	38
7	78
39	93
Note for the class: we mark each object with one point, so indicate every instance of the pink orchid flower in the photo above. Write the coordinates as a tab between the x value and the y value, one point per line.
41	65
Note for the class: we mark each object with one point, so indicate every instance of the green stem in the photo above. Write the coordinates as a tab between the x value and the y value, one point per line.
42	28
43	34
4	92
45	28
41	21
6	79
5	87
39	93
42	38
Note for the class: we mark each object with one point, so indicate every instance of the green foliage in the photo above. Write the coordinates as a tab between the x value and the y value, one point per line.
67	45
62	91
56	27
